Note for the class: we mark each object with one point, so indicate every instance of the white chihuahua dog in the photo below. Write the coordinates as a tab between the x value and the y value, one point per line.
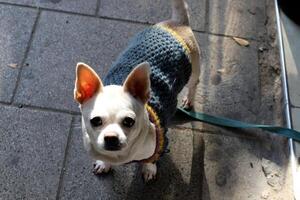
125	118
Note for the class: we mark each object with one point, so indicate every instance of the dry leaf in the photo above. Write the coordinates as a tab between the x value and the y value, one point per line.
13	65
241	41
223	70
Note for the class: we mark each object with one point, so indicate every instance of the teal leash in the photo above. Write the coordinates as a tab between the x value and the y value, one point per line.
225	122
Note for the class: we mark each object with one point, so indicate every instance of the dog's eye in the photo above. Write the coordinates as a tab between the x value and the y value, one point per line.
128	122
96	121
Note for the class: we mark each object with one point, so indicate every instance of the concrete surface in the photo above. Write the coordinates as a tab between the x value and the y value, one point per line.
78	6
237	17
291	43
41	151
148	11
32	150
296	118
15	23
291	34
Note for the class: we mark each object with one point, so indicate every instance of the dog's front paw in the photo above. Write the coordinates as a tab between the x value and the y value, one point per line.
101	167
149	171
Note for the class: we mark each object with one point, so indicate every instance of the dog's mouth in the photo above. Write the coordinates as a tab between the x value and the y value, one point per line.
113	148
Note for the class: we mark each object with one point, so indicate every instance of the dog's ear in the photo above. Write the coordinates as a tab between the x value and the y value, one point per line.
87	83
138	82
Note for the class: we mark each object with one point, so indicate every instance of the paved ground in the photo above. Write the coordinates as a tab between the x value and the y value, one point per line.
41	151
291	33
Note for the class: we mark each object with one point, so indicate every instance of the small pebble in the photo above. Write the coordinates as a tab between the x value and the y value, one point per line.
221	179
265	195
262	48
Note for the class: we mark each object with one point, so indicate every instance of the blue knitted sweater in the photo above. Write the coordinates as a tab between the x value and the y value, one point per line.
169	63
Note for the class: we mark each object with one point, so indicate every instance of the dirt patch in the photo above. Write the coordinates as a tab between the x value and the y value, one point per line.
275	153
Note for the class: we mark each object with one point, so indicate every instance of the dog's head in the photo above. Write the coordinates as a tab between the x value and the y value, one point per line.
112	116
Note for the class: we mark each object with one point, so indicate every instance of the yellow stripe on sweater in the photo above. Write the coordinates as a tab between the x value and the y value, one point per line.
178	38
159	148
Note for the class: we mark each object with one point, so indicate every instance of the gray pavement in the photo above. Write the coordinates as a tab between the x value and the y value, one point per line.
291	45
41	151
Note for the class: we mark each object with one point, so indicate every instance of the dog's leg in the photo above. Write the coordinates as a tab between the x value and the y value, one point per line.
188	101
101	167
149	171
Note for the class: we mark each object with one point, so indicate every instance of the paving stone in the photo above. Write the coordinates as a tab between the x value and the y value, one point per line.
151	11
31	152
290	34
229	80
48	80
16	25
78	6
125	182
237	18
236	169
296	118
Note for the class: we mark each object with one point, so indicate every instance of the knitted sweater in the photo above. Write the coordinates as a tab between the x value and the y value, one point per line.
169	63
170	66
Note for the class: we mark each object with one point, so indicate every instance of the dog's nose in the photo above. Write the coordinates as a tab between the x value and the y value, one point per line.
112	143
